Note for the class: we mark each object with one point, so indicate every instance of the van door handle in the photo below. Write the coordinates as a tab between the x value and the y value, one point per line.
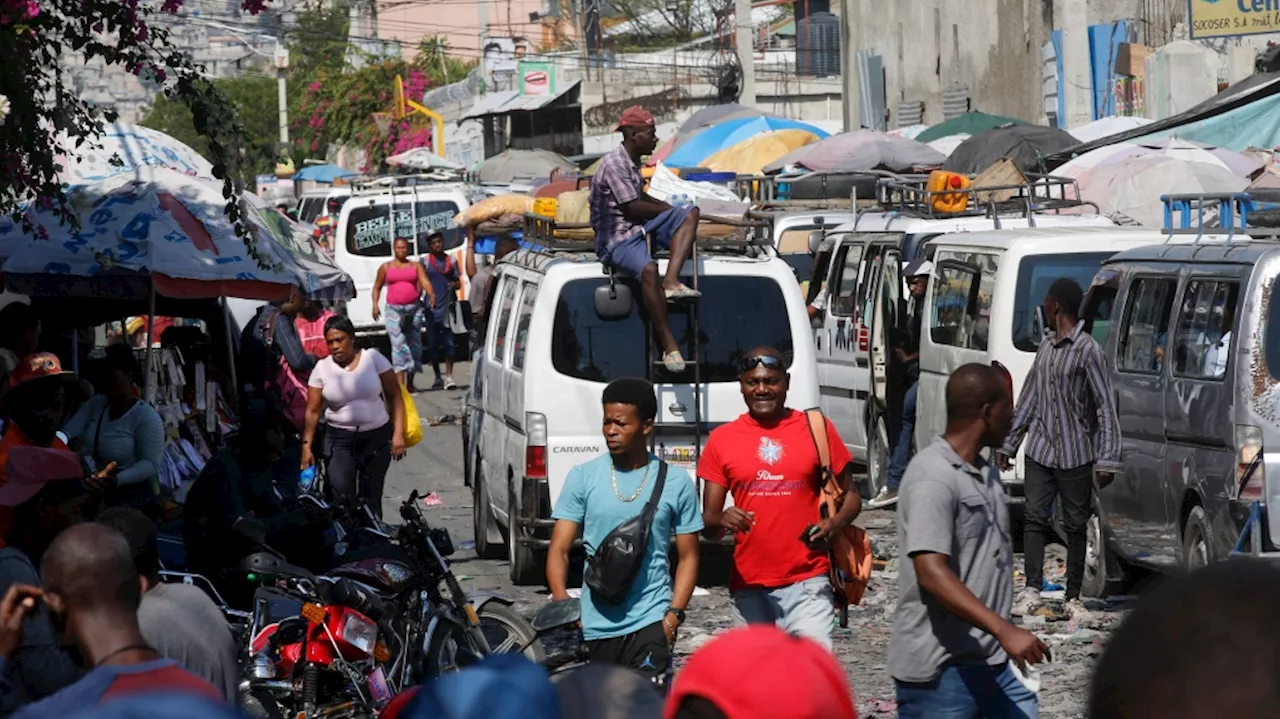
818	336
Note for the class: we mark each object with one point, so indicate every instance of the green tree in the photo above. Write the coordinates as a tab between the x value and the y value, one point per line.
257	108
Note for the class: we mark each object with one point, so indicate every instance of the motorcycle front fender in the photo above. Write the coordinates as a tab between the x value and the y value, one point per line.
479	599
443	613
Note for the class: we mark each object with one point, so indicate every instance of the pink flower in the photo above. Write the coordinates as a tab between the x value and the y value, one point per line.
253	7
33	9
171	6
314	87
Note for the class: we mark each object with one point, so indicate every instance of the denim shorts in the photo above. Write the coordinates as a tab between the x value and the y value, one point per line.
632	255
806	608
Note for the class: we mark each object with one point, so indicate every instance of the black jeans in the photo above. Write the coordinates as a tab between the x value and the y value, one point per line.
645	650
355	456
1043	485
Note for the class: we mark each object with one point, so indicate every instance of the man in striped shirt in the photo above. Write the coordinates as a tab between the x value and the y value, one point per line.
1068	416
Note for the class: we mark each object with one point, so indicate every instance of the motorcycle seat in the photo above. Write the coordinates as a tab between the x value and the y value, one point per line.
268	563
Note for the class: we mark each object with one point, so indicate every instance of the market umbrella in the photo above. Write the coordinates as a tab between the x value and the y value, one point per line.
1107	126
512	165
126	148
1026	145
422	158
1134	186
171	231
910	132
1238	163
859	151
699	121
753	154
729	133
970	123
324	174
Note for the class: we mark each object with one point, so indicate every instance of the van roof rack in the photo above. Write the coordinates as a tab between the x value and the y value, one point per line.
776	189
754	238
1038	195
382	183
1218	214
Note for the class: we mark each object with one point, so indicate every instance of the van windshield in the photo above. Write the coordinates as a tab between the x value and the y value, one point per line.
368	230
1035	274
738	314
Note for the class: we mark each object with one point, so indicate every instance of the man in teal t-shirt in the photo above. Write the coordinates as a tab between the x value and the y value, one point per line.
607	491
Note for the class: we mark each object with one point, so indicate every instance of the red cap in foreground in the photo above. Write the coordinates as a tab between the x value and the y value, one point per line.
761	672
635	116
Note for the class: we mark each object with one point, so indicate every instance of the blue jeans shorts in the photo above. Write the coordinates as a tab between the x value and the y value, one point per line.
806	608
632	255
965	691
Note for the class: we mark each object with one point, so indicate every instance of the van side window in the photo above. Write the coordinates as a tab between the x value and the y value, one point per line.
963	286
1146	322
1099	306
498	350
846	283
522	325
1202	341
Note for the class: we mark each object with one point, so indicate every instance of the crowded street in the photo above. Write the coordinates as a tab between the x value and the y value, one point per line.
435	466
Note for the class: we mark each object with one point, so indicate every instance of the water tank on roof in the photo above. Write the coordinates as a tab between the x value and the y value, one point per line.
818	45
804	8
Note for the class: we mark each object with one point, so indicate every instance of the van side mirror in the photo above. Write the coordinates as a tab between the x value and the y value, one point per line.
613	300
815	241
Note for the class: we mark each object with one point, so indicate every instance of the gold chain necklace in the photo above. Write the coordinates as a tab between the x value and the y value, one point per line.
613	475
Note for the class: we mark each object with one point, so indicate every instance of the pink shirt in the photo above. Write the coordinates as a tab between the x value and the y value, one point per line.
353	397
402	285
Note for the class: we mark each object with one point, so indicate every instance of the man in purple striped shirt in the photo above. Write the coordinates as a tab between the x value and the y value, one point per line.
623	217
1068	416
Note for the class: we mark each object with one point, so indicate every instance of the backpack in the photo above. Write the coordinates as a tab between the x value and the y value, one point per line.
850	551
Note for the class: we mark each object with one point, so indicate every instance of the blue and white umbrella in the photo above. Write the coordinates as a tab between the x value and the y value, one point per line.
126	148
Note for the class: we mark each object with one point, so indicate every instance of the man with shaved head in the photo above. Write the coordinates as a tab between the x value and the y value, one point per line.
954	650
92	591
768	459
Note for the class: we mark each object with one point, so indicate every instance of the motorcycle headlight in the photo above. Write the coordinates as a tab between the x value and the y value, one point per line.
360	633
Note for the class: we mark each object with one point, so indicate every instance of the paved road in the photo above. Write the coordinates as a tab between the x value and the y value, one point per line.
435	465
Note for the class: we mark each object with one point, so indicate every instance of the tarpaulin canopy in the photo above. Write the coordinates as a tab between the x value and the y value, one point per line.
1026	145
726	134
1133	187
861	150
324	174
511	165
970	123
753	154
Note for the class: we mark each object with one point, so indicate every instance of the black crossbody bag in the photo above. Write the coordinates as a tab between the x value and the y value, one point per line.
612	570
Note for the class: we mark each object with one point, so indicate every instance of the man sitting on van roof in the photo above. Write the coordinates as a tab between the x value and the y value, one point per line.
623	217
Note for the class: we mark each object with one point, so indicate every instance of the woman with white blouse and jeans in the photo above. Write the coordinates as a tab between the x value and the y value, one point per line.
120	435
363	414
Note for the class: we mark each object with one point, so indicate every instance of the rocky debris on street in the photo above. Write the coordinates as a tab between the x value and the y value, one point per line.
435	465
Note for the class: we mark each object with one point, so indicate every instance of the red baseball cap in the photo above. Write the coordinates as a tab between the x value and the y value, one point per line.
635	116
762	671
37	366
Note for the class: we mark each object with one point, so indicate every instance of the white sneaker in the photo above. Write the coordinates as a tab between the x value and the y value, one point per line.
884	498
449	383
1075	609
1026	603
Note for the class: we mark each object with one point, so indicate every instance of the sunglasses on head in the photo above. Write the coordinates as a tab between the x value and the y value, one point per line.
767	361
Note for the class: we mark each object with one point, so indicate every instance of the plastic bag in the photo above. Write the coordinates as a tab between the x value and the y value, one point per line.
494	207
412	423
574	208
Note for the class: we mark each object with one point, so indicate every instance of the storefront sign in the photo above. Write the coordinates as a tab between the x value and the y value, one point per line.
537	78
1230	18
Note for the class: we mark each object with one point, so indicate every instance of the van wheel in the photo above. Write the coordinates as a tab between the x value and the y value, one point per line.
1097	559
524	570
488	536
877	459
1197	552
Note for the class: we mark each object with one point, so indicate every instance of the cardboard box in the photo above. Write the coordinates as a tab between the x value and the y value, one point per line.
1130	59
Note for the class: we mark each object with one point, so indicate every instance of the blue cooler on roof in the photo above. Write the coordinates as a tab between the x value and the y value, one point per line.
724	179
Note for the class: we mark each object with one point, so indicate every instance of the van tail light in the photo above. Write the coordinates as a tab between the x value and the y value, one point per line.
535	449
1250	469
1004	375
864	338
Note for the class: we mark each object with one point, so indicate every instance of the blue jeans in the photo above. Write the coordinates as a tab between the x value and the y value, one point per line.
806	608
439	341
968	692
902	449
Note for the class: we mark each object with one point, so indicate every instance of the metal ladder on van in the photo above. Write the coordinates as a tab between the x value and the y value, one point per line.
692	311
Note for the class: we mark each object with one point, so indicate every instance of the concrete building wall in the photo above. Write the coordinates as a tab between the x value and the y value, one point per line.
461	23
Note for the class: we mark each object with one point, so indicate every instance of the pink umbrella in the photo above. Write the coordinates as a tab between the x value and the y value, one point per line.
1174	147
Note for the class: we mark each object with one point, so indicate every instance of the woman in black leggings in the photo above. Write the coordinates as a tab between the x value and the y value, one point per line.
363	413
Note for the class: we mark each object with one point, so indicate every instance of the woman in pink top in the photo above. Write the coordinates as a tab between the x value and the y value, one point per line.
363	414
405	282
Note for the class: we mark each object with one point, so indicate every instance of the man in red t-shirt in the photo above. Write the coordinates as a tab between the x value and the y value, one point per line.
91	591
768	460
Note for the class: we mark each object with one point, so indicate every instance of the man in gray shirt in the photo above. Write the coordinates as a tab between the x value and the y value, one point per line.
179	621
953	647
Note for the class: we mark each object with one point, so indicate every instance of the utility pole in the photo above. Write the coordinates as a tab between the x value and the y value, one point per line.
1077	79
282	73
851	85
746	51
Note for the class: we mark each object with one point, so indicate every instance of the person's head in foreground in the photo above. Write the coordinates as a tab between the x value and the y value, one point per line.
630	406
503	686
979	405
1199	646
91	587
639	131
763	379
606	691
761	672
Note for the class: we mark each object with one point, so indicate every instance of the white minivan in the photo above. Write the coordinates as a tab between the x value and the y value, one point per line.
560	328
983	305
365	234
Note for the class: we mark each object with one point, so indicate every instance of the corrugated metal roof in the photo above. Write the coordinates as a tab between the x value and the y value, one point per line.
502	103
